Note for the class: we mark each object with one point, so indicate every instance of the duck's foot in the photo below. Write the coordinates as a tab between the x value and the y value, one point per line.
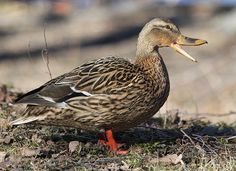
109	141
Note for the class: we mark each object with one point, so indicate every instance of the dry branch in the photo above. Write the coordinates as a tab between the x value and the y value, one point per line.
45	55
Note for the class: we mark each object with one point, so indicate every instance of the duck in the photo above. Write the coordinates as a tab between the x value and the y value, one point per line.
112	93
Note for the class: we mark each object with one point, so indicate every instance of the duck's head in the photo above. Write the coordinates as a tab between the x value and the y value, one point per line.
163	33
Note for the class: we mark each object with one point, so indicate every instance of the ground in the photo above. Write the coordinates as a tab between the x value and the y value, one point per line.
168	143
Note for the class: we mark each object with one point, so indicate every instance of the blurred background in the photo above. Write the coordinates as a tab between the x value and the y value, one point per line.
77	31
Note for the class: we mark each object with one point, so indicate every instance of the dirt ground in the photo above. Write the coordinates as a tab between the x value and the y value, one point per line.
163	143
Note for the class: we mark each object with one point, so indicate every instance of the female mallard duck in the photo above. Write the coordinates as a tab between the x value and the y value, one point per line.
110	93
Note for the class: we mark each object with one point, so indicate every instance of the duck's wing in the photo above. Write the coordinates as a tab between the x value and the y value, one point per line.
101	76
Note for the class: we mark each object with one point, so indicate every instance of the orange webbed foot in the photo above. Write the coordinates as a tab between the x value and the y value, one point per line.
110	142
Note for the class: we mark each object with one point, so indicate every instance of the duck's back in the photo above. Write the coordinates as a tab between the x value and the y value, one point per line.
102	76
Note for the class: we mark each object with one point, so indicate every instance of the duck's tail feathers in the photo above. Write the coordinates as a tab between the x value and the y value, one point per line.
28	119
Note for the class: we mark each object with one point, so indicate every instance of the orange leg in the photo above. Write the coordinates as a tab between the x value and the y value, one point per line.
110	142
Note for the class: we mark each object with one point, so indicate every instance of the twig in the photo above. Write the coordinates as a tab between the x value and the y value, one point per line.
200	139
29	51
29	54
183	165
230	138
125	164
45	52
60	153
165	121
187	136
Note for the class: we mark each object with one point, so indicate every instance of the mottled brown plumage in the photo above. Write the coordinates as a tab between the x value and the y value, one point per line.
110	93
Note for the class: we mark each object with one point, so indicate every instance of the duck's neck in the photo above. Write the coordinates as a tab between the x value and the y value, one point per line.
153	65
149	59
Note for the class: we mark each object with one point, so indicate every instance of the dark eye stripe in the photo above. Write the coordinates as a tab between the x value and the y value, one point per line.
168	27
163	26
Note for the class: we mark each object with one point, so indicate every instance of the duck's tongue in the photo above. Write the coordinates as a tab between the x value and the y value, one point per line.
182	52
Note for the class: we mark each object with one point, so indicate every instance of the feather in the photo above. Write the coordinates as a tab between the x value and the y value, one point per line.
24	120
85	93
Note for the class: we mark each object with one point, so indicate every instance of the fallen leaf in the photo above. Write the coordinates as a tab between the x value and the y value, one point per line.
73	146
171	159
168	159
27	152
2	156
7	139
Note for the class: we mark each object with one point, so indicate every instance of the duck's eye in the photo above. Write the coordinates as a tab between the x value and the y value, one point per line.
168	27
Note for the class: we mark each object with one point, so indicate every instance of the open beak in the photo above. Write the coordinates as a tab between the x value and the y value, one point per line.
186	41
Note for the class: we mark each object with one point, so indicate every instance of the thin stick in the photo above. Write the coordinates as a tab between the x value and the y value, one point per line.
187	136
199	139
29	54
29	51
45	53
230	138
183	165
